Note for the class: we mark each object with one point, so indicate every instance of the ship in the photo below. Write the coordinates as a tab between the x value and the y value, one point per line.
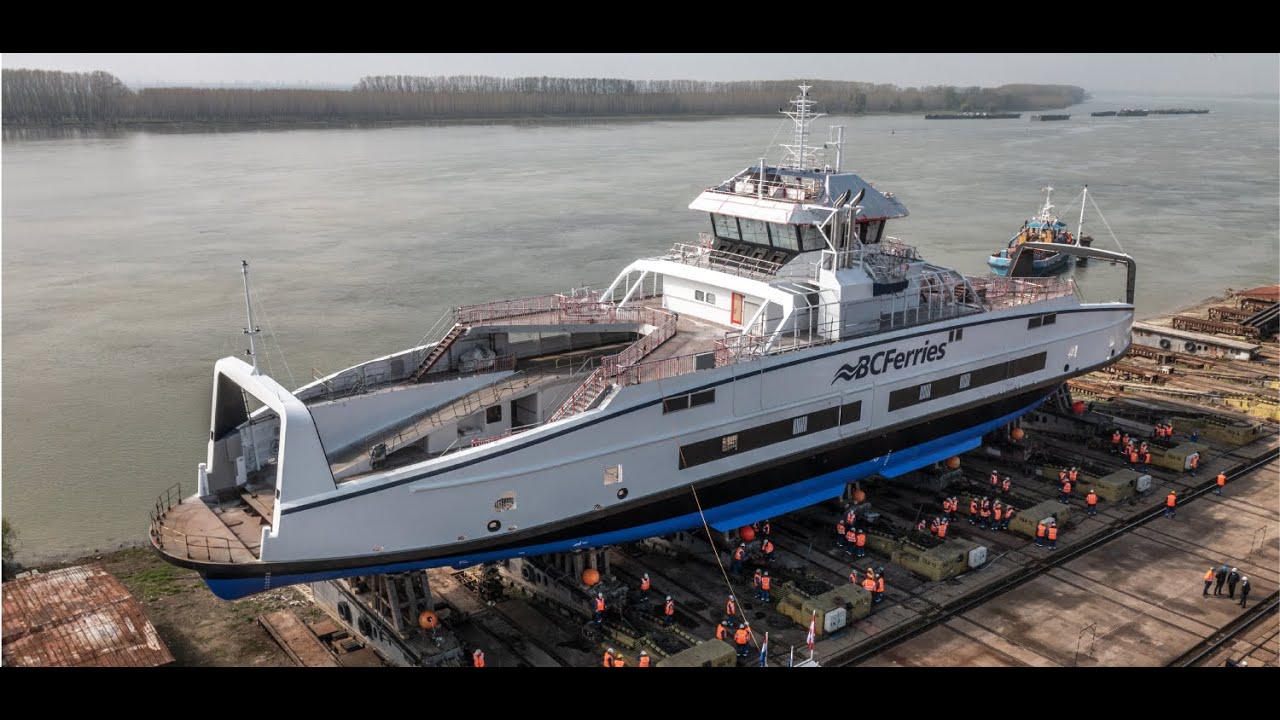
973	116
1049	117
1103	113
1128	112
793	348
1043	227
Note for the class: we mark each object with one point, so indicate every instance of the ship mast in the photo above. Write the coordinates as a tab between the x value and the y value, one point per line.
799	151
1080	226
248	309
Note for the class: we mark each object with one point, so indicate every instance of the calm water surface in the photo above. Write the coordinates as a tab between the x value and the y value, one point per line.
121	253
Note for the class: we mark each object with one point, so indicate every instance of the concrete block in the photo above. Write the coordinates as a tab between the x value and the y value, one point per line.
1178	457
851	600
711	653
1119	485
1224	430
1024	523
947	560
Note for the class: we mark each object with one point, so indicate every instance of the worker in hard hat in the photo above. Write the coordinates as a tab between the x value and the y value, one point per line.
599	618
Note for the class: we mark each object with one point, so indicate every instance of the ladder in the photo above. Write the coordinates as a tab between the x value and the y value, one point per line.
438	351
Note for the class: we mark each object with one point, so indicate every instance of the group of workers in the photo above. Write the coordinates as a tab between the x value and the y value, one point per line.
872	581
1231	577
850	536
1047	532
616	659
763	530
1136	453
988	514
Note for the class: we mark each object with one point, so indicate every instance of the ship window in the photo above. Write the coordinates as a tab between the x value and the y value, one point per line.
672	404
959	334
800	425
924	390
754	231
711	298
729	443
725	226
506	502
784	236
706	397
493	415
613	475
965	379
1050	319
699	296
1034	322
811	239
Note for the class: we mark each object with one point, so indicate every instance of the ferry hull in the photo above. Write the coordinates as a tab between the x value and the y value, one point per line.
1039	268
758	492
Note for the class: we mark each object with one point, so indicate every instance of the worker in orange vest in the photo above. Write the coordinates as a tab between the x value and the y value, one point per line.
1133	455
1208	580
984	513
755	582
1091	502
946	507
608	658
851	518
644	659
599	607
722	631
765	584
1065	497
997	511
477	658
879	593
644	587
1062	476
973	511
619	660
1222	481
1146	460
741	637
840	533
669	611
933	526
1195	463
861	542
1008	515
1053	535
1170	504
942	529
1115	442
869	584
766	528
1040	533
730	608
850	540
1006	486
739	555
1073	474
1142	449
767	549
995	481
1126	441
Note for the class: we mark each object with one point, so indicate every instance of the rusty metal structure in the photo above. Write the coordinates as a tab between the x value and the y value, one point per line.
79	616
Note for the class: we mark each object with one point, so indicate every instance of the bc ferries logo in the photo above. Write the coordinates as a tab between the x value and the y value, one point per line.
890	359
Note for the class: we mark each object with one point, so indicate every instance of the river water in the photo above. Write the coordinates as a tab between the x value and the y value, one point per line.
121	251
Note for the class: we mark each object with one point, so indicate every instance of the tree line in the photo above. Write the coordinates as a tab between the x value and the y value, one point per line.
44	97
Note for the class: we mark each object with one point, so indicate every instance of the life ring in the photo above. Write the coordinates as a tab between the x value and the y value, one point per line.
1164	343
524	571
344	611
1189	346
364	626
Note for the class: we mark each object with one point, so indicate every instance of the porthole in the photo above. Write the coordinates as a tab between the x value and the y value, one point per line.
494	526
1066	368
622	494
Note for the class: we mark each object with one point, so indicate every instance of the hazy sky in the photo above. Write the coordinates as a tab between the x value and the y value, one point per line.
1225	73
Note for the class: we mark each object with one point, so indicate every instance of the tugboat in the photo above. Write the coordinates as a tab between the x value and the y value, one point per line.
1044	227
793	348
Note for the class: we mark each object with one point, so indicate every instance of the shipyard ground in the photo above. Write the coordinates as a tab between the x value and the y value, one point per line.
1123	588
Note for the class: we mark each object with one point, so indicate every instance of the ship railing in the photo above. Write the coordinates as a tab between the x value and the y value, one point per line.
1002	292
704	256
772	189
886	260
194	547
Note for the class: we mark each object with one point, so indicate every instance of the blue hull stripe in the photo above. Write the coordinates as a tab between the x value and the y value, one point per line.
726	517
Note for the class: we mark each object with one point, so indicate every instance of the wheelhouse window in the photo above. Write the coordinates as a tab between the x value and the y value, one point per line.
784	236
811	239
754	231
725	226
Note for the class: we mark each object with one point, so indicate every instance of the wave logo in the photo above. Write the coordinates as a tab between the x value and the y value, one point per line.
891	359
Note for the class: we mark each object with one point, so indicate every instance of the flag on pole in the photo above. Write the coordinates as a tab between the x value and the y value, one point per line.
764	649
812	628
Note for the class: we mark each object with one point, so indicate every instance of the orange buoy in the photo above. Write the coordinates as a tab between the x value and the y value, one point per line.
953	462
859	496
747	533
1077	407
1017	434
590	577
428	620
